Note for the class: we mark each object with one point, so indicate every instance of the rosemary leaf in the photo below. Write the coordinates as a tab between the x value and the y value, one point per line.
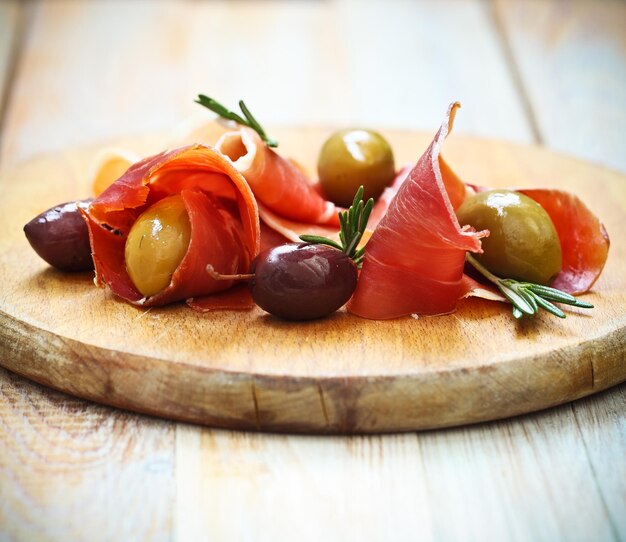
352	224
544	304
317	240
354	243
552	293
248	121
359	253
256	126
528	297
517	300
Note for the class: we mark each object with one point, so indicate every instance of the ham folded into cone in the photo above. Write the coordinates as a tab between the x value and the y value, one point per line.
223	217
414	258
278	184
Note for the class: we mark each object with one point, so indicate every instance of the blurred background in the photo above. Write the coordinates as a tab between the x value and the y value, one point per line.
540	71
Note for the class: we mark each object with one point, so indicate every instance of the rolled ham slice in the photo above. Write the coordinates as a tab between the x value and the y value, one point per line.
223	215
277	183
415	258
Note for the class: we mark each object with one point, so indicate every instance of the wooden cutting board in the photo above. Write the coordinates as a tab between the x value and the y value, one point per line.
341	374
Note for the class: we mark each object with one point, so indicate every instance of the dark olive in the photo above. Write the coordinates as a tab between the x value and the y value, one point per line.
299	281
522	243
60	237
351	158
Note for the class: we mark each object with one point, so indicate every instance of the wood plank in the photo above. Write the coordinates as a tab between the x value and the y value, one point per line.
602	424
572	61
522	479
71	470
10	13
527	476
89	87
272	487
9	17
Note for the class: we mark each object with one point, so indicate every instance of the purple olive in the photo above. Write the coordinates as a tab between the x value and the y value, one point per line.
60	237
300	281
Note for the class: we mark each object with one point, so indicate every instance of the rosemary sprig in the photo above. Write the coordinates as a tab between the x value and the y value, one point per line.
248	121
352	226
527	297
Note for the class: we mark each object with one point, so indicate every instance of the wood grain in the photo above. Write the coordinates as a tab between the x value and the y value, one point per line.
67	468
527	478
571	57
340	374
96	86
596	419
522	479
74	471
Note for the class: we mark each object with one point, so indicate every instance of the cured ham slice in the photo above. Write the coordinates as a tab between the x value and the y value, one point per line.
456	190
385	199
584	240
270	238
222	212
237	298
291	230
277	183
415	258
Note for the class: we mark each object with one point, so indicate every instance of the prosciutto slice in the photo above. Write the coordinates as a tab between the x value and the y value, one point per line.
279	184
223	216
415	258
237	298
290	230
584	240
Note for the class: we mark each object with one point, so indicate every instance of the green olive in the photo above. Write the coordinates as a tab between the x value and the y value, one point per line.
156	245
351	158
522	244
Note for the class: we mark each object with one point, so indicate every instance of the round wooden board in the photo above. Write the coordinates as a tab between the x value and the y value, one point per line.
337	375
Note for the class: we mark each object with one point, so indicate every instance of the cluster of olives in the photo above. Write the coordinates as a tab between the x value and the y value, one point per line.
302	281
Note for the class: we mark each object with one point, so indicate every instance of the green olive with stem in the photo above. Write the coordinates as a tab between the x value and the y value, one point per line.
523	243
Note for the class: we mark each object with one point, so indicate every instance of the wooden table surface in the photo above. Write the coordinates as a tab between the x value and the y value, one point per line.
81	72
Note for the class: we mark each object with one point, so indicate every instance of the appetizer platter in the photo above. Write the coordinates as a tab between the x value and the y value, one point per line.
347	281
